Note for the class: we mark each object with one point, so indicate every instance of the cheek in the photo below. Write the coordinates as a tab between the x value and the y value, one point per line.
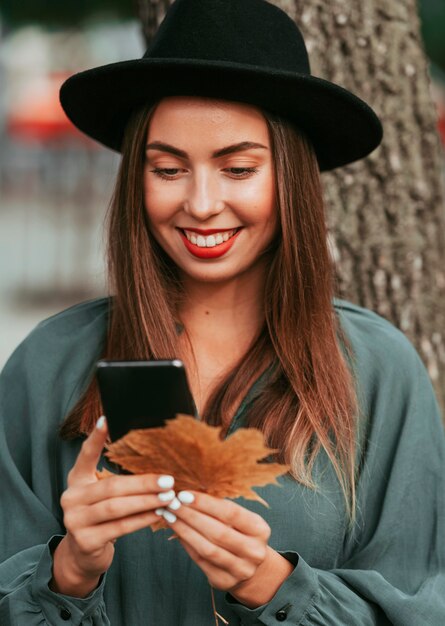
265	205
254	199
159	203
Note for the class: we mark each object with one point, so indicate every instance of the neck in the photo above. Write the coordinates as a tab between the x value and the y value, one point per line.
225	308
221	321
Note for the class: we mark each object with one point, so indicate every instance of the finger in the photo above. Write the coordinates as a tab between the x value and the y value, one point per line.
207	534
85	466
115	508
230	513
218	564
203	550
123	485
94	539
217	577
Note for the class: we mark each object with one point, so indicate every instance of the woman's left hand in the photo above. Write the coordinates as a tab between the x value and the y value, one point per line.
227	541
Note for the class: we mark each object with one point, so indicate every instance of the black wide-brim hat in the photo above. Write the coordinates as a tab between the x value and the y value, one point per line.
240	50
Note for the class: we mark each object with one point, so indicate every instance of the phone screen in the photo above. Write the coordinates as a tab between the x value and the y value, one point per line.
142	394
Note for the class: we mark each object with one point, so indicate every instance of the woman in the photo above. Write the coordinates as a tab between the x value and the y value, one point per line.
218	256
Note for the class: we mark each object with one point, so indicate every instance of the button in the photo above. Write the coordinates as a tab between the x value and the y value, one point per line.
65	614
281	615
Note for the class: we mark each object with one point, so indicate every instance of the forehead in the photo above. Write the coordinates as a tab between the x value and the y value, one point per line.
207	118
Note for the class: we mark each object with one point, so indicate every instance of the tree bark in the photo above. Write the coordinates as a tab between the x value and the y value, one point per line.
151	14
386	213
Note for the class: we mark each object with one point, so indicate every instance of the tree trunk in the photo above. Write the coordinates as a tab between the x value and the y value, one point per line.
386	213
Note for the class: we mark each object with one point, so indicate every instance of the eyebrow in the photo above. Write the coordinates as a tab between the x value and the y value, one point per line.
236	147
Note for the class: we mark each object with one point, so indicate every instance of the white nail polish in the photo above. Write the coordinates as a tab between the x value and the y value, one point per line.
169	517
186	497
166	482
100	422
165	496
159	511
174	504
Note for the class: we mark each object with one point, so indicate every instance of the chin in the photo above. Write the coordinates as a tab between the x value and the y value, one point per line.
211	277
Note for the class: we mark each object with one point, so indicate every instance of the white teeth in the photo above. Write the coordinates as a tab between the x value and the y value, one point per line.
211	240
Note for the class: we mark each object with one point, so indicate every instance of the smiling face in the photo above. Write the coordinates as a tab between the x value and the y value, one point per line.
209	186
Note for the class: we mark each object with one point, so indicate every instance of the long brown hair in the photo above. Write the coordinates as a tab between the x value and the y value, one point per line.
308	403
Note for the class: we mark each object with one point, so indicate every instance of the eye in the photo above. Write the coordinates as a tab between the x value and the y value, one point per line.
241	172
166	173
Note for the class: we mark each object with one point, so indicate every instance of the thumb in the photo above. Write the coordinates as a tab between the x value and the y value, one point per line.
85	466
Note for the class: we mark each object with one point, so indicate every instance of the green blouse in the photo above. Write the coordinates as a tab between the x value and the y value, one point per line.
388	568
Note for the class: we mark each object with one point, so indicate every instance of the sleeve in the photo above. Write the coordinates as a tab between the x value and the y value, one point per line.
393	566
30	517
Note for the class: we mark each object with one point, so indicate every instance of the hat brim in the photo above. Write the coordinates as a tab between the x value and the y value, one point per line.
341	126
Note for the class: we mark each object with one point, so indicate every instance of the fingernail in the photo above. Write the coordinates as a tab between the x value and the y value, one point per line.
170	517
165	496
100	422
174	504
159	511
186	497
166	482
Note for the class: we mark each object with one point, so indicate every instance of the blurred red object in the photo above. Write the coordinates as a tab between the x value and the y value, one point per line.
441	121
38	114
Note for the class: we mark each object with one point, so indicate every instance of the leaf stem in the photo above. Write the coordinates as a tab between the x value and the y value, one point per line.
215	612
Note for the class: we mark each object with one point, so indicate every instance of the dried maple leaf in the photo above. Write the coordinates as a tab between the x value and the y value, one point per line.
193	452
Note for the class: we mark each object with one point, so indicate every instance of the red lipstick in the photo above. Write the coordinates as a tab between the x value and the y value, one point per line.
208	231
208	253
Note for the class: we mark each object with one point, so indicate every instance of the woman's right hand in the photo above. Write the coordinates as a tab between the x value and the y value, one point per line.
96	513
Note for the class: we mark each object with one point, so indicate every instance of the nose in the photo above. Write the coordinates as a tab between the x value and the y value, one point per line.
203	198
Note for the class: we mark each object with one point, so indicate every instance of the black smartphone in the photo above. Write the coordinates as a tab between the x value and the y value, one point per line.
142	394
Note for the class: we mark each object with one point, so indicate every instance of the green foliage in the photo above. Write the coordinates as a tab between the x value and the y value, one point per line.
432	15
73	12
62	12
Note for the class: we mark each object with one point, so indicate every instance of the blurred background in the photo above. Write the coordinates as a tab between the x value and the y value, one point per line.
55	184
